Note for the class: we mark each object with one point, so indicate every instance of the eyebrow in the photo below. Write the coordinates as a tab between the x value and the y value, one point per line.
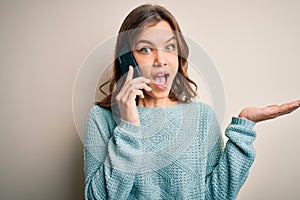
149	42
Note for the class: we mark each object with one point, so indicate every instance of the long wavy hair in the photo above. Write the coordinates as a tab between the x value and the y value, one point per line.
183	88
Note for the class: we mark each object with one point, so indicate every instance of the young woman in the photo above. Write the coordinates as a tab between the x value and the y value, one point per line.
148	139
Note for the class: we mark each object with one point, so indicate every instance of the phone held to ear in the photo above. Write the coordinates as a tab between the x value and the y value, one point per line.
126	59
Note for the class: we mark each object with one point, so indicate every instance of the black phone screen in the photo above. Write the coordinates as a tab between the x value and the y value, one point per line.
125	59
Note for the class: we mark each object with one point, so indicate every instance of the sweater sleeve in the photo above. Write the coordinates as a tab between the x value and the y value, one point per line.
109	153
227	170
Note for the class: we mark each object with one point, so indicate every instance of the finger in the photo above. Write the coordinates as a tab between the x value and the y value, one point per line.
147	88
135	82
292	104
126	84
296	102
130	73
140	86
285	105
141	79
270	106
140	93
132	95
286	108
132	85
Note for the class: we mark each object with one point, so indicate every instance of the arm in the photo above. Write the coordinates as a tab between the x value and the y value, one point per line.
112	155
106	155
228	170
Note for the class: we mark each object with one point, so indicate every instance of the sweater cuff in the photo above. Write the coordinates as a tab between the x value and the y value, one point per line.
242	121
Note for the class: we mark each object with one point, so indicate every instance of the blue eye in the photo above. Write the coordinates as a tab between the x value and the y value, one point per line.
146	50
170	47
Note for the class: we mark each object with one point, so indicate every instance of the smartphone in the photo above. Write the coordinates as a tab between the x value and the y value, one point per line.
125	59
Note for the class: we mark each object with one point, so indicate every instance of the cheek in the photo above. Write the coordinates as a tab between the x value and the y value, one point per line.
140	59
143	64
173	63
145	71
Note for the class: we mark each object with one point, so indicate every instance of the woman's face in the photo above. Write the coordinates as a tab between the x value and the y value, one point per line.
156	53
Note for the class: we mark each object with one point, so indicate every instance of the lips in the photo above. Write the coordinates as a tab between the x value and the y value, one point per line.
160	79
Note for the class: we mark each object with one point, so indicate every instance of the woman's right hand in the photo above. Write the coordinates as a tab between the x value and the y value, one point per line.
126	97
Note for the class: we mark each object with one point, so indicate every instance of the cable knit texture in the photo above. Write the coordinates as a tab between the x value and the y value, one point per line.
176	153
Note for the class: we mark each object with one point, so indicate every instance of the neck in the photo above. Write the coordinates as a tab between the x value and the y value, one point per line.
148	101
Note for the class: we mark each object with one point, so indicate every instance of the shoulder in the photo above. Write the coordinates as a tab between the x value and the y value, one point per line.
208	125
98	111
101	116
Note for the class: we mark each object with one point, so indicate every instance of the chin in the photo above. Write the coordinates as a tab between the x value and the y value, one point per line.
159	94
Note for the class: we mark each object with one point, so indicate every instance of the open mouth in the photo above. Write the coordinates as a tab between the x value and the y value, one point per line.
161	79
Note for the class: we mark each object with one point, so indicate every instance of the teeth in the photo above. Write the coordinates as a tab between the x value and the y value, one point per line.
162	75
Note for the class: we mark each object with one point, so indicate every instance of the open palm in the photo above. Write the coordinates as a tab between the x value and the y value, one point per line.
256	114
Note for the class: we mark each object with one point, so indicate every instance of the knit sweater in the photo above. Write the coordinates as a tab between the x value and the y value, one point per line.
177	152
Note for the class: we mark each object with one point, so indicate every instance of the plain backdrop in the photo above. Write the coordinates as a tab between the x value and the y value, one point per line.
254	44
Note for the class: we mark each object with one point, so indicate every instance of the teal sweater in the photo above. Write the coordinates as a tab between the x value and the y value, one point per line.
176	153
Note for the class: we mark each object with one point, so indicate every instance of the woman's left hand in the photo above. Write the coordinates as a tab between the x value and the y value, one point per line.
270	112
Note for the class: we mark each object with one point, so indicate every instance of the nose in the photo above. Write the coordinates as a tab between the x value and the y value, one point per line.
159	58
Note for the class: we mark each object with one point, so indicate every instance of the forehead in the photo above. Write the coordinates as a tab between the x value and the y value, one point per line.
158	33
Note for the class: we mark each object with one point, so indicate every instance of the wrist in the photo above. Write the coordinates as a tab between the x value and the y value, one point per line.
244	116
135	122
